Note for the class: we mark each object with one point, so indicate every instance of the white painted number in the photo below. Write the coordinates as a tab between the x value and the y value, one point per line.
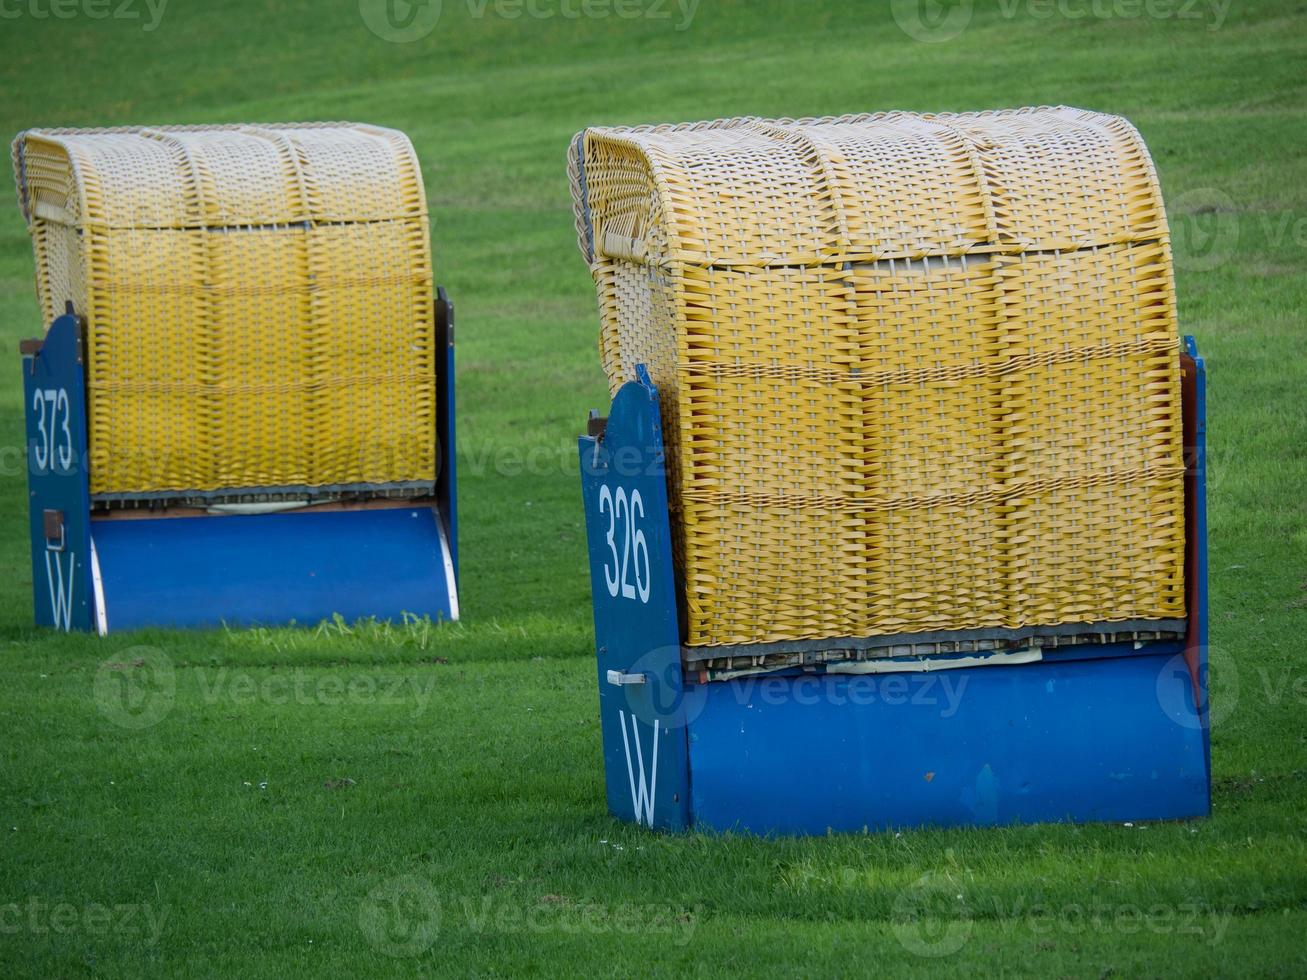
54	443
618	575
53	449
606	507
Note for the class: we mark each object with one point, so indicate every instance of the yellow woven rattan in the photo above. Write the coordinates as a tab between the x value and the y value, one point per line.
919	373
258	302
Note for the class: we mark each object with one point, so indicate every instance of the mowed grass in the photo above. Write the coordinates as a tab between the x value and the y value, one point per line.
360	800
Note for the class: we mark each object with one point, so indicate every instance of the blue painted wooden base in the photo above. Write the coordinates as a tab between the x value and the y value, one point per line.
1103	739
300	567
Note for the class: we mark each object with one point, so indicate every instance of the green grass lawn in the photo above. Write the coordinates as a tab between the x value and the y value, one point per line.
431	800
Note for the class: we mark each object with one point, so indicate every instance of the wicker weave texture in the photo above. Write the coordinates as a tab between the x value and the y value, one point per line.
919	372
258	301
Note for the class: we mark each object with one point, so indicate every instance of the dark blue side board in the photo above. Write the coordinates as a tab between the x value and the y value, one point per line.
447	478
642	705
273	568
54	399
1194	388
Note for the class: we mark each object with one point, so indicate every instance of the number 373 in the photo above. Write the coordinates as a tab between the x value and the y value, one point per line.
633	561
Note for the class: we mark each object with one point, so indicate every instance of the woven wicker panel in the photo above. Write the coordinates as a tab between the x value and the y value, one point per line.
918	373
258	301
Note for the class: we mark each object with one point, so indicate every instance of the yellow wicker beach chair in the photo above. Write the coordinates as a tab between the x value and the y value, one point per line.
242	408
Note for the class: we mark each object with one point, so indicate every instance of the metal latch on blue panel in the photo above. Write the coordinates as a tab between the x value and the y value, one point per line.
52	521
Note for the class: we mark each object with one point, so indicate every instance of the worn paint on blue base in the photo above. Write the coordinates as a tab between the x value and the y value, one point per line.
1065	740
274	568
1094	732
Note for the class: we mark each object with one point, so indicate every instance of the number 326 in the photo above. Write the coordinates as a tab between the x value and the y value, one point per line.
620	508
